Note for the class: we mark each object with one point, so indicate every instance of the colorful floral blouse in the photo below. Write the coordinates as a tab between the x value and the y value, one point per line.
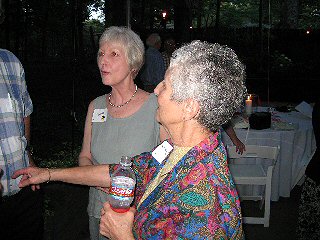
196	200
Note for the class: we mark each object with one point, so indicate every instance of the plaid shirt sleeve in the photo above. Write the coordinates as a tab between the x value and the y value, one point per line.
15	105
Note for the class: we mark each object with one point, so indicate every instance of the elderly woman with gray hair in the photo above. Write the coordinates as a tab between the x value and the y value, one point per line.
186	193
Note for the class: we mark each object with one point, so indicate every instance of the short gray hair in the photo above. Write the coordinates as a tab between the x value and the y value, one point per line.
153	39
130	41
212	75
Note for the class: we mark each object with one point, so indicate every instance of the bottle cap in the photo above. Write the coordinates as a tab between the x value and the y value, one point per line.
125	161
120	210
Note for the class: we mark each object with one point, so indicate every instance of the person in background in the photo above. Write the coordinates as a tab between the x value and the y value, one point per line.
21	211
153	69
228	128
184	187
169	46
309	207
121	123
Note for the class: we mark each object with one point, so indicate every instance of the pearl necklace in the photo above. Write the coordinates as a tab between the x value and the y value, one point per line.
119	106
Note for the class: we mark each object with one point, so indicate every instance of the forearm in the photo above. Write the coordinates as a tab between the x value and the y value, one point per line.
84	161
231	133
86	175
27	126
31	162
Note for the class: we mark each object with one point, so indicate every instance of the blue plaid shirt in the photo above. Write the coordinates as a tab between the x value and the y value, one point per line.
15	104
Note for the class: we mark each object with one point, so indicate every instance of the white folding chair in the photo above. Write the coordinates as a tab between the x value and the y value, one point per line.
254	174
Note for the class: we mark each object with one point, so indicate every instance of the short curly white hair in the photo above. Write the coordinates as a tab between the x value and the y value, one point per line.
211	74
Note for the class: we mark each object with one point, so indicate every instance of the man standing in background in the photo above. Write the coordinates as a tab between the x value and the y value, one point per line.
153	69
21	212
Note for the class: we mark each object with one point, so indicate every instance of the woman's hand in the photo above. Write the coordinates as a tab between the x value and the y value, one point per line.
32	176
117	226
31	164
240	147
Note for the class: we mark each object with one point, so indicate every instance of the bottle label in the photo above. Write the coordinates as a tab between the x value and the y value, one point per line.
122	187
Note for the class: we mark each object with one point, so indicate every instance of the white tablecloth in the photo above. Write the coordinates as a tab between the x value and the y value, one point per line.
297	146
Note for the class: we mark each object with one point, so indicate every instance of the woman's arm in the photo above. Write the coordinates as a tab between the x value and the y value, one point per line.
86	175
85	154
240	147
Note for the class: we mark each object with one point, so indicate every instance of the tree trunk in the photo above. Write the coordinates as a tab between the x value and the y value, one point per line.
199	14
182	21
217	24
44	25
143	5
79	25
17	32
151	21
6	24
289	14
25	39
261	32
119	12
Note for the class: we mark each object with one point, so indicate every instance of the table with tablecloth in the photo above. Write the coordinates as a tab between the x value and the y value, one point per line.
293	132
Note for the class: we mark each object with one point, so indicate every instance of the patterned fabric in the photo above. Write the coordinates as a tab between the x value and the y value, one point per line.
15	104
174	157
153	70
196	200
309	211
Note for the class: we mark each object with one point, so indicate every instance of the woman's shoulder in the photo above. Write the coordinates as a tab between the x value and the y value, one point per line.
100	98
99	102
152	99
149	101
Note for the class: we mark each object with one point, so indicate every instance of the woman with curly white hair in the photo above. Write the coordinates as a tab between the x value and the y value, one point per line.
184	188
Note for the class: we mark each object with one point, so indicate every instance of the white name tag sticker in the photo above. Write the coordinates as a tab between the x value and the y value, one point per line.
99	115
162	151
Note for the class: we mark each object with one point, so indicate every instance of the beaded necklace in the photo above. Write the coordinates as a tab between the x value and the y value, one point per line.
119	106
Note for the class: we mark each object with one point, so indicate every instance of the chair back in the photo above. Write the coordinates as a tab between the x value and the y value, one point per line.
254	151
254	175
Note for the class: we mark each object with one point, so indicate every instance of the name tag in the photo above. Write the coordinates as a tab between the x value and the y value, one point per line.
162	151
99	115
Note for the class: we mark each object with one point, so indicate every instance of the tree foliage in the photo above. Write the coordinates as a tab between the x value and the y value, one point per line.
62	28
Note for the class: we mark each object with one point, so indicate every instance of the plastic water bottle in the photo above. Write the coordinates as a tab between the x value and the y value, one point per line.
123	182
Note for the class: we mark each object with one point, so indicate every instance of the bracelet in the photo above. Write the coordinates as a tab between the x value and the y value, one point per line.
49	175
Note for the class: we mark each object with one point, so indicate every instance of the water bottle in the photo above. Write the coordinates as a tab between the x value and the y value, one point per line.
123	182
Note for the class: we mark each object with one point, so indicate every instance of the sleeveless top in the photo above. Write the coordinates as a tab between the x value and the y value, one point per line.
118	137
